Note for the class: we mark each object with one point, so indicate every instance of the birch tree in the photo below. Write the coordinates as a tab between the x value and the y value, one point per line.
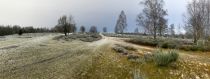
152	18
121	23
197	18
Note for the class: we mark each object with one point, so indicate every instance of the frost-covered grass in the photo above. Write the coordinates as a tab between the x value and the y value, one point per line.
44	58
16	39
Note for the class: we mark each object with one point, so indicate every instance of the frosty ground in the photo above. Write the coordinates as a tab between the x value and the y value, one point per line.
38	56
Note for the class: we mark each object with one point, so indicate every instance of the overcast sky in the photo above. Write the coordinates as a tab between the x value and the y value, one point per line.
101	13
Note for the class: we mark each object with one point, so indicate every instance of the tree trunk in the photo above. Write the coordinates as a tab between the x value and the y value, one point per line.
160	32
155	31
195	40
155	37
65	34
65	30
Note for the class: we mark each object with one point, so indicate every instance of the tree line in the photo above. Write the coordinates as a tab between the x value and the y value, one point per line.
16	29
66	25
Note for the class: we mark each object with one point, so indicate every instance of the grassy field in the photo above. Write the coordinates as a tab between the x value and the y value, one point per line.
40	57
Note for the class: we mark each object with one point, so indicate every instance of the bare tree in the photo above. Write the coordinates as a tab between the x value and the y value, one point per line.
82	29
121	23
20	32
136	30
71	24
104	29
162	26
153	17
66	24
73	28
63	23
172	30
196	18
207	25
93	29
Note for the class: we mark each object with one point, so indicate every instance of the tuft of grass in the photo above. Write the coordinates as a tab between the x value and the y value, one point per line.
164	59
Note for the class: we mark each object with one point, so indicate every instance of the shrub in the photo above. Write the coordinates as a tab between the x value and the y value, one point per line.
194	48
170	44
164	59
20	32
144	41
135	57
127	47
185	47
120	50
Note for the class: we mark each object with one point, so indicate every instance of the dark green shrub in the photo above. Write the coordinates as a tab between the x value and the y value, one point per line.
169	44
144	41
164	59
173	55
185	47
194	48
20	32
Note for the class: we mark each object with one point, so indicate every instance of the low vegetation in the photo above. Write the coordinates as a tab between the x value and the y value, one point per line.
122	35
170	43
165	58
82	37
159	57
9	30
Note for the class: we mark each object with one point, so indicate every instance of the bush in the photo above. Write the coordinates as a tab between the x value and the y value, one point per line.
134	57
120	50
127	47
170	44
144	41
164	59
20	32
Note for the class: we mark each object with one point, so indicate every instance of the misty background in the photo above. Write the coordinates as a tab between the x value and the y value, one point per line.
101	13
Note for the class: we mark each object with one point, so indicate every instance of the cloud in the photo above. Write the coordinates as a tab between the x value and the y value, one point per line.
102	13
